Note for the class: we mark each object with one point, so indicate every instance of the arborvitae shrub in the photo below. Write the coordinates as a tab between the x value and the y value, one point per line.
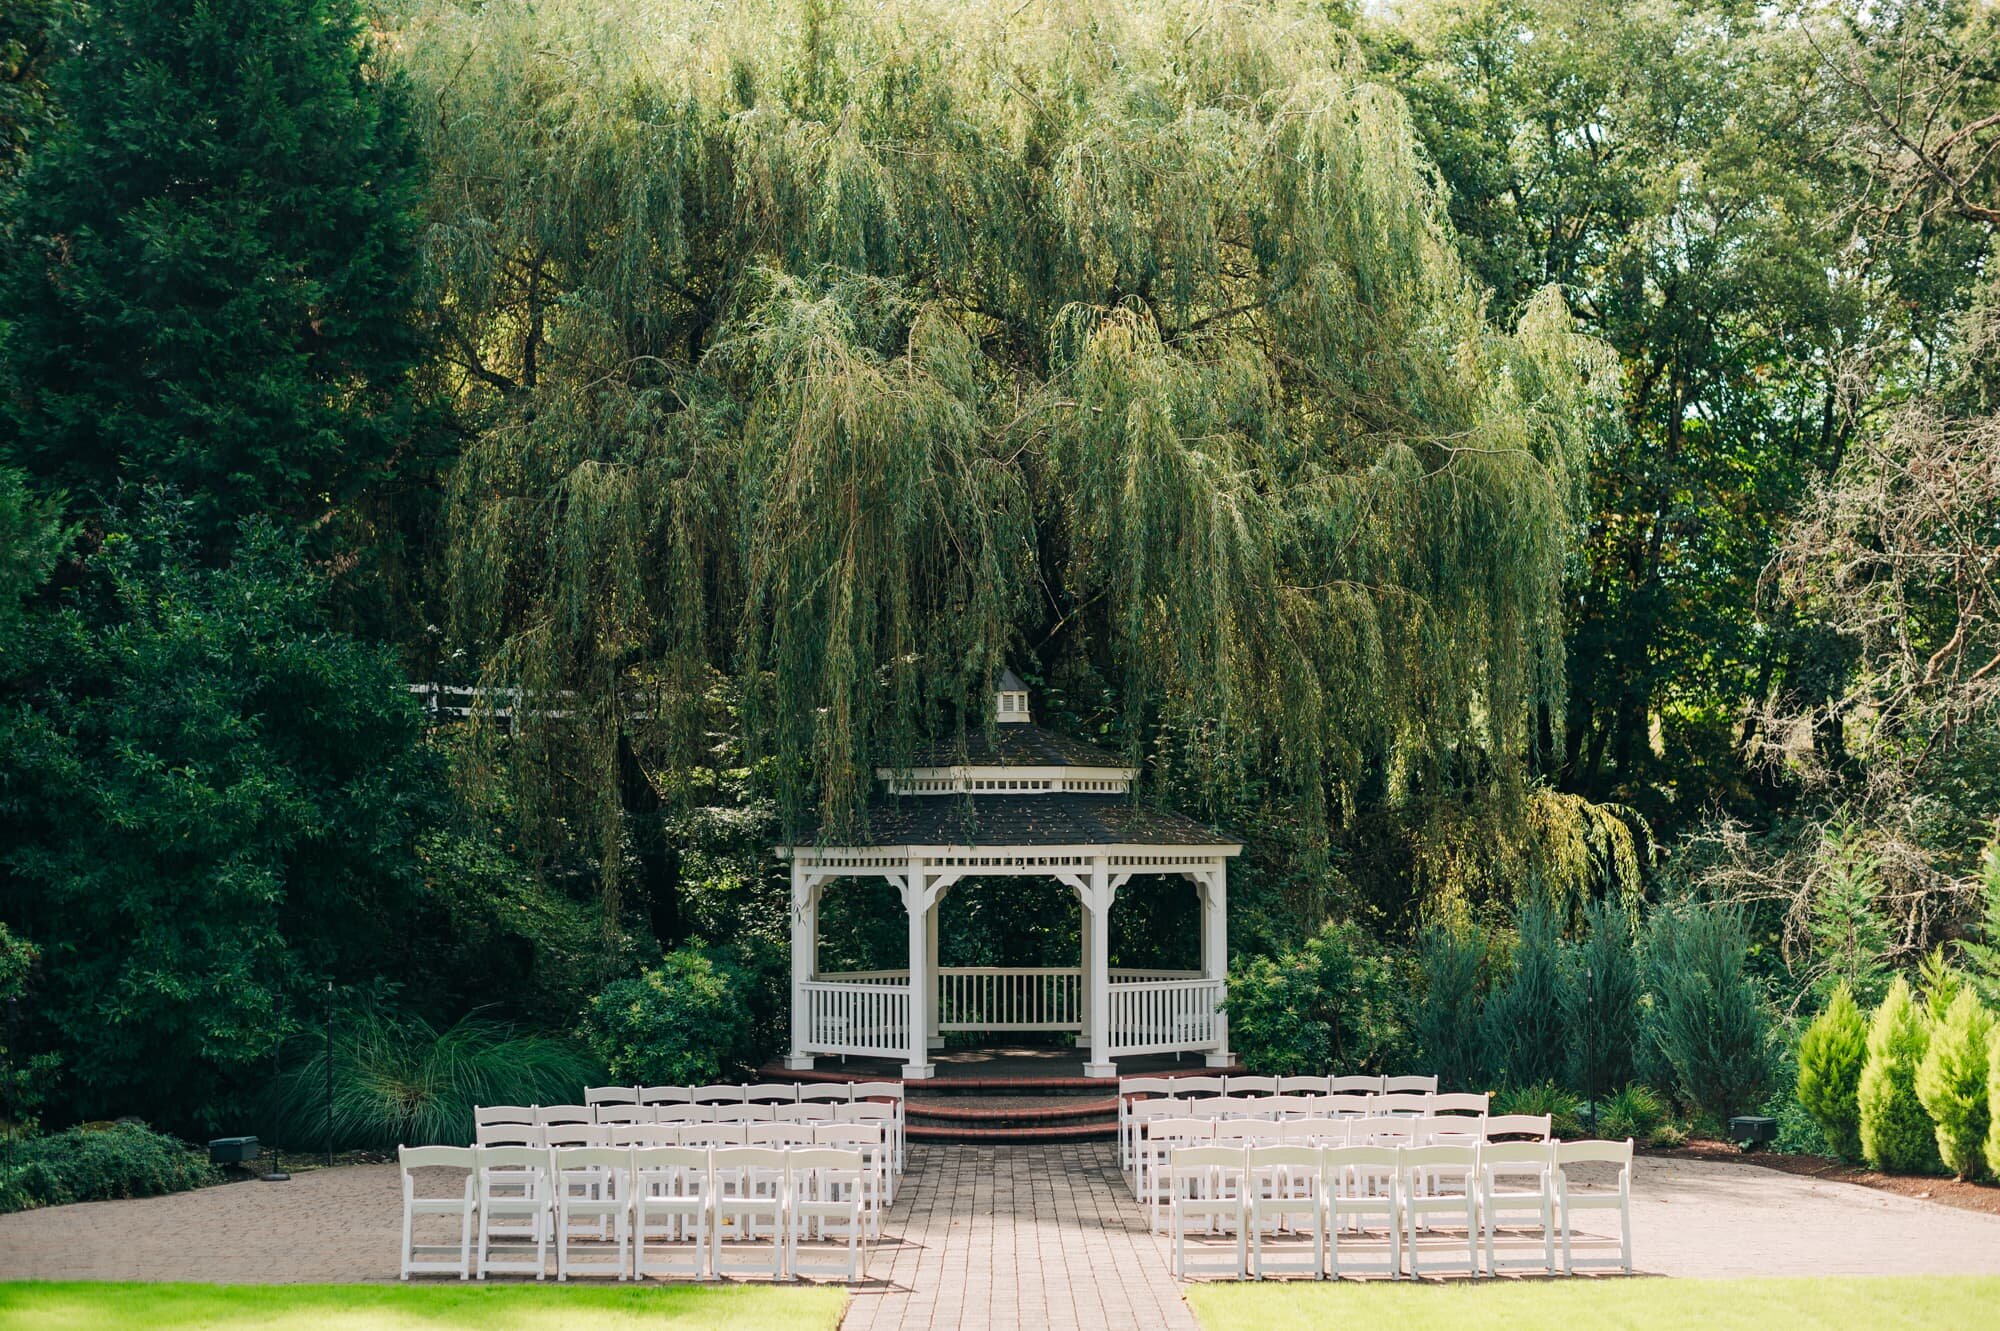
1951	1083
1449	1034
1708	1022
1993	1104
1831	1055
1895	1131
1601	1003
1525	1027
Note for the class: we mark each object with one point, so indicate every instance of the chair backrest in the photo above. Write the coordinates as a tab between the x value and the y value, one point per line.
643	1134
865	1111
1535	1127
513	1158
818	1170
1351	1105
714	1135
839	1092
1248	1130
716	1095
1180	1129
848	1134
1284	1157
1184	1160
1383	1131
745	1113
1439	1157
663	1095
1596	1152
683	1113
879	1090
1355	1085
485	1114
576	1134
689	1163
1400	1102
611	1095
801	1113
752	1157
610	1113
1189	1087
550	1115
1289	1106
1359	1155
568	1158
1516	1157
1447	1131
1409	1085
1250	1085
1130	1087
1324	1131
436	1157
778	1134
1302	1085
1161	1107
772	1093
1220	1106
1460	1102
510	1134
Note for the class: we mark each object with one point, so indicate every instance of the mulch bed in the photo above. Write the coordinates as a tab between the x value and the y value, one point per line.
1982	1197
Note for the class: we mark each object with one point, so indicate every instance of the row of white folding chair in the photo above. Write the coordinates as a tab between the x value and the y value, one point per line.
753	1093
1160	1136
871	1110
1255	1192
1133	1113
773	1199
1369	1084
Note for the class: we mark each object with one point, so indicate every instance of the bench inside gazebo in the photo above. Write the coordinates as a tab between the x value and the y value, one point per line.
1016	800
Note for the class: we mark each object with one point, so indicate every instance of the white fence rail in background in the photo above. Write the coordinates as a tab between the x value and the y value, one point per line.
868	1018
1164	1016
1008	998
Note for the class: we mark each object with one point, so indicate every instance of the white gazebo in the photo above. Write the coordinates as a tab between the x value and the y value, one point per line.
1015	800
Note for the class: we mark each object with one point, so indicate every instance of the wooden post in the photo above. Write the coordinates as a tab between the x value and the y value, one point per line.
932	1039
1086	924
923	993
805	943
1215	951
1097	969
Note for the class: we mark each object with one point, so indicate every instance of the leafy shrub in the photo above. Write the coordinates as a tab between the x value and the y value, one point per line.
1601	1002
1938	983
1831	1055
1525	1030
1951	1083
1564	1108
1993	1104
96	1163
1449	1035
1635	1112
1324	1006
1895	1131
398	1080
1708	1023
685	1021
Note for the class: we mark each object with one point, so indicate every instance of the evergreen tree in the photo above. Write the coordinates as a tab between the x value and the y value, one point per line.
1831	1054
1601	1003
1708	1023
1450	1036
1895	1131
212	262
1951	1083
1525	1025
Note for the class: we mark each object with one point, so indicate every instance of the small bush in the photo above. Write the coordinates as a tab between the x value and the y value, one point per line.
1896	1133
1324	1006
1708	1022
1951	1083
1449	1035
98	1163
1636	1112
1564	1108
1831	1055
1601	1002
684	1022
398	1080
1525	1030
1993	1104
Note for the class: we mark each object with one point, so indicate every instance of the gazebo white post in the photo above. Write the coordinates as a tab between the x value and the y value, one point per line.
932	1040
1097	968
805	946
1215	950
916	903
1085	922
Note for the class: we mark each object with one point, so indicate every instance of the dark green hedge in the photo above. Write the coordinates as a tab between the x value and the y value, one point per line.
91	1164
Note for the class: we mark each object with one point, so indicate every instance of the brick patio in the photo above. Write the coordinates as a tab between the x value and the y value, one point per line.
983	1237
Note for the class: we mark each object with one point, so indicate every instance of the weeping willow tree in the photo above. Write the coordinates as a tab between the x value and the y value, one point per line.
847	352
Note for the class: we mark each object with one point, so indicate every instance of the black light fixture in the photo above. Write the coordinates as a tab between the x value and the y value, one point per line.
329	1072
277	1174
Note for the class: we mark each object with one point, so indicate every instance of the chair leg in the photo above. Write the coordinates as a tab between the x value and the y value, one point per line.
465	1243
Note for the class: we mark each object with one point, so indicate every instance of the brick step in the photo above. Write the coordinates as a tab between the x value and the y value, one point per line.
1024	1113
1019	1136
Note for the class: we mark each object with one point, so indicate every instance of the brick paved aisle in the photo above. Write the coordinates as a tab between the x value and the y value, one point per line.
1017	1236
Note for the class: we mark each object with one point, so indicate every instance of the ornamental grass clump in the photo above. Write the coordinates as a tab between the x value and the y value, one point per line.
1951	1083
1832	1053
1896	1133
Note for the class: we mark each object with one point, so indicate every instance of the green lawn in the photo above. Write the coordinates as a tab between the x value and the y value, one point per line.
35	1306
1849	1303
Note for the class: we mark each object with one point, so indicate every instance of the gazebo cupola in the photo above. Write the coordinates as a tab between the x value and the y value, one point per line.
1011	799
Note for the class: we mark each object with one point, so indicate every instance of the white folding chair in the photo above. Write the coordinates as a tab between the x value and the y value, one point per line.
746	1113
869	1140
591	1187
829	1201
608	1114
747	1213
711	1136
1137	1115
490	1115
680	1111
1302	1085
778	1134
716	1095
1250	1085
554	1116
514	1186
1283	1187
1362	1184
890	1093
610	1095
801	1113
509	1134
1518	1127
772	1093
1573	1195
1189	1088
1517	1182
1409	1085
461	1160
874	1111
670	1206
1243	1132
838	1092
1414	1104
642	1134
1356	1085
1313	1131
1461	1102
1290	1106
1133	1091
1348	1105
1439	1182
1205	1188
1158	1139
663	1095
1446	1130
